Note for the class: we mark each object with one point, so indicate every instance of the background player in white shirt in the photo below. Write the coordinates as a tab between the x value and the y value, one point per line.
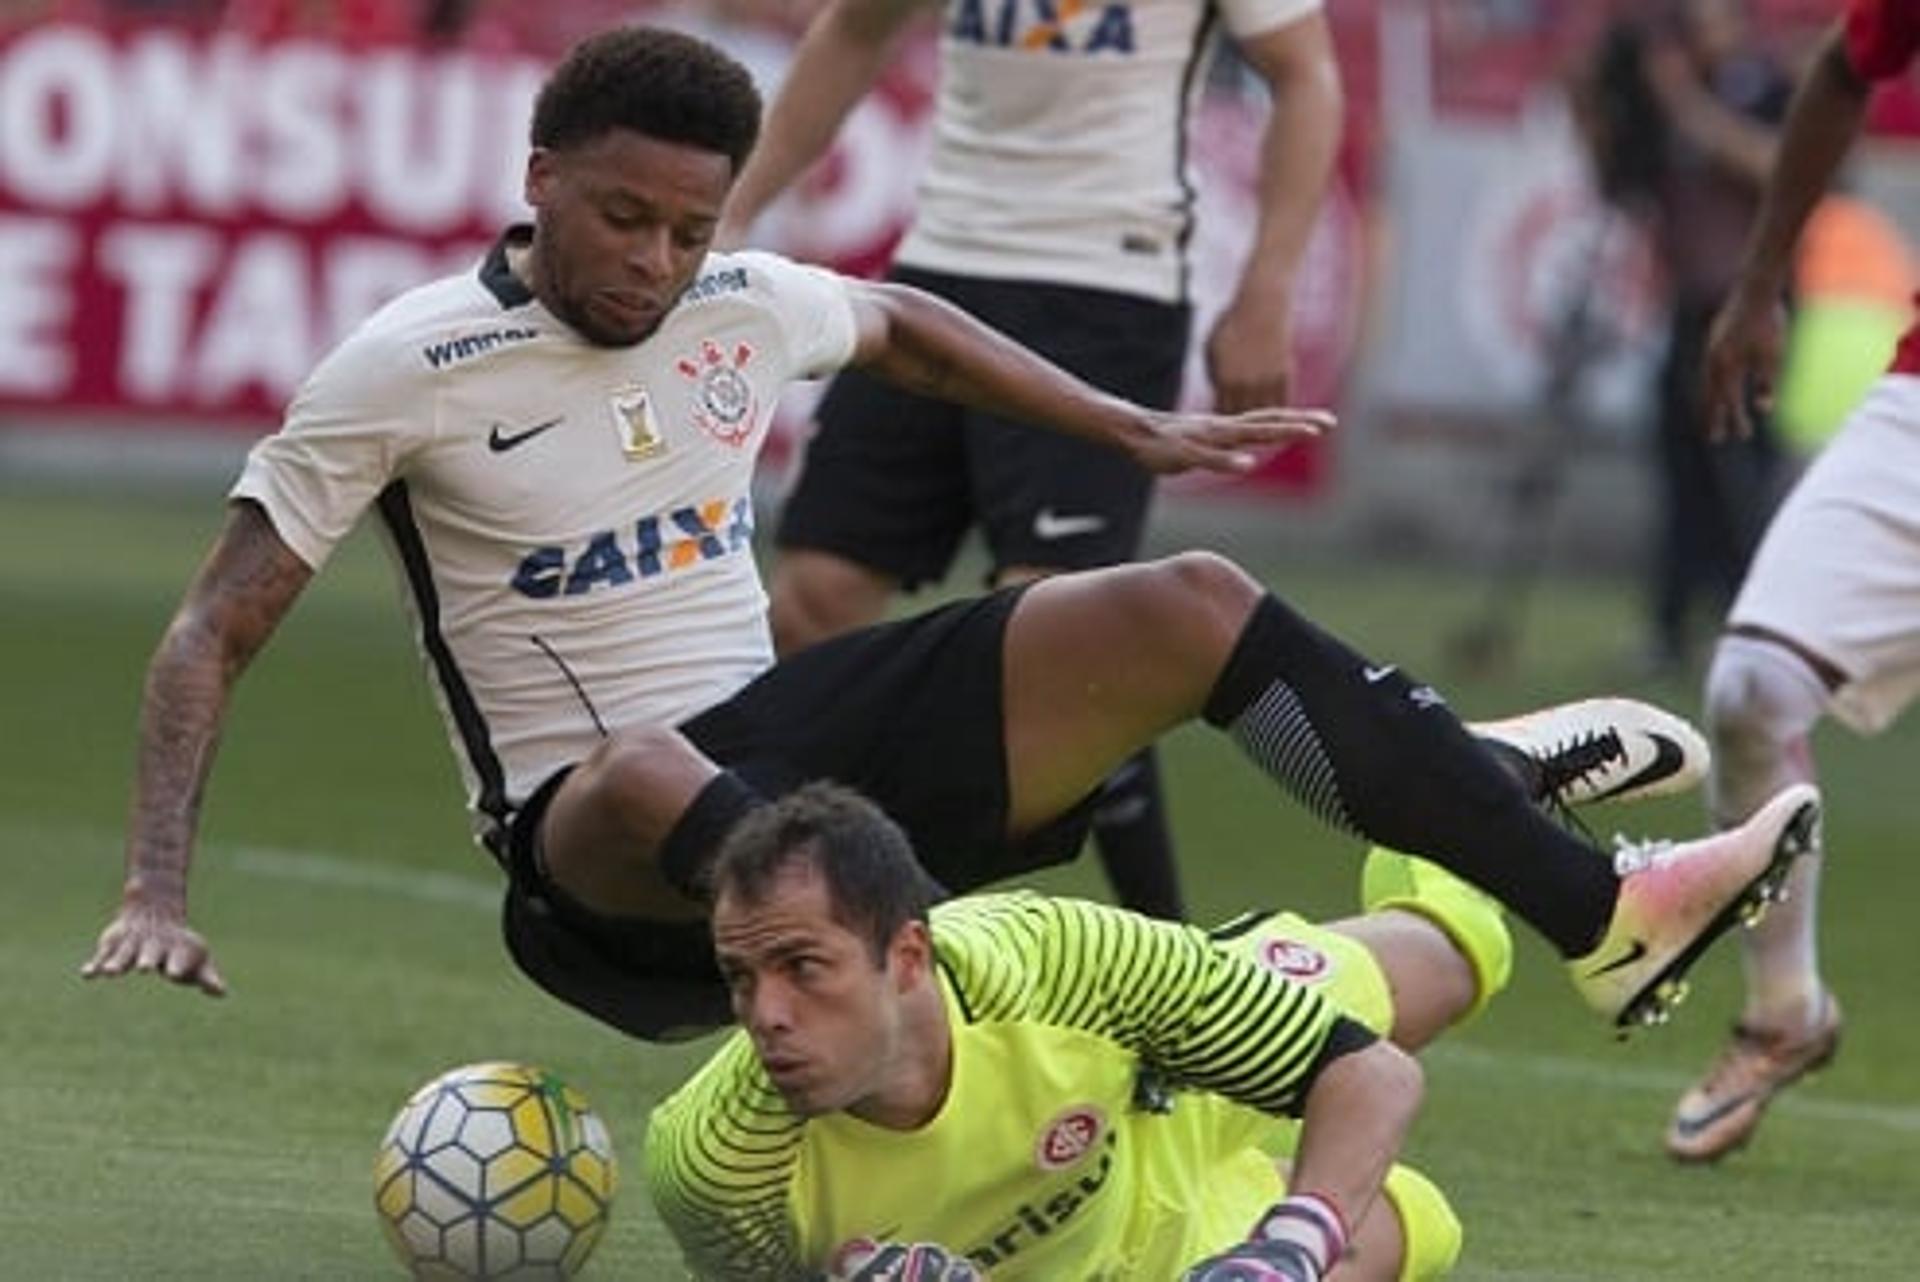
1056	206
1828	620
571	538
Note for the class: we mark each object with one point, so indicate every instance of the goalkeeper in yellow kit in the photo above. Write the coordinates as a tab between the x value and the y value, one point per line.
1016	1086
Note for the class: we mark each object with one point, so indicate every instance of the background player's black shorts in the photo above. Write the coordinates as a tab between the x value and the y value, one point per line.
892	480
908	712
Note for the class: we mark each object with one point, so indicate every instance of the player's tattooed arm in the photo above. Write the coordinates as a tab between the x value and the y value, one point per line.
245	587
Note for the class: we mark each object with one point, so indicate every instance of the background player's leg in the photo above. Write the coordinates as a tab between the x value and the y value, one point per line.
1049	504
1135	841
814	595
1764	696
881	503
1763	700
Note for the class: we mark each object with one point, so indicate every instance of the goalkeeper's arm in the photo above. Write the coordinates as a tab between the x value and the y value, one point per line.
1357	1114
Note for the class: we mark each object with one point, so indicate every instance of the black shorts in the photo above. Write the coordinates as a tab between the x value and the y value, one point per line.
649	979
908	713
893	480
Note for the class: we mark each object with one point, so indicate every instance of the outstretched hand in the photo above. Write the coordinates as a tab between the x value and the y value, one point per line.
1742	362
155	940
1232	443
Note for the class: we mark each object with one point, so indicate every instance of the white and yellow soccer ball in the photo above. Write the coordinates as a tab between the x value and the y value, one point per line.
494	1171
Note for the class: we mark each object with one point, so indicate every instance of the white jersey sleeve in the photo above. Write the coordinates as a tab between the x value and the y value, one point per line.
345	436
1252	17
813	309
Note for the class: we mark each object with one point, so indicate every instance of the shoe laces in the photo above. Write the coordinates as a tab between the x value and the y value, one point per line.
1572	761
1630	856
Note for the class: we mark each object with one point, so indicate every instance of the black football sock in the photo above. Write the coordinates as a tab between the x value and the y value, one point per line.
1371	751
686	856
1136	848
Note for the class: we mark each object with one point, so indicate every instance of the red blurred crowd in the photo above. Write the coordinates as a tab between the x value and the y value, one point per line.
1489	55
477	24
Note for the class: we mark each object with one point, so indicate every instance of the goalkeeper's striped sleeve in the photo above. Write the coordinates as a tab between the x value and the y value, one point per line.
1206	1017
719	1162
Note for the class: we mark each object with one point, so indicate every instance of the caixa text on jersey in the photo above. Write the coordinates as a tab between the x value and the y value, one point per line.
651	546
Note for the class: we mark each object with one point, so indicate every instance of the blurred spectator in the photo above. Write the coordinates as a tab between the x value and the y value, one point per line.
354	22
760	33
1680	106
15	14
190	10
1854	278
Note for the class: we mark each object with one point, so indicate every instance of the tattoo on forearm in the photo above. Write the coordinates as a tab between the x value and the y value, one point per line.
240	595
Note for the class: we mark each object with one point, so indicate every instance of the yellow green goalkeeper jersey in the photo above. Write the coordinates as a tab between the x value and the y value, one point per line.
1054	1155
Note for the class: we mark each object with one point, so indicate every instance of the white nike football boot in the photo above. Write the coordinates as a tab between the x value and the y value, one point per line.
1602	750
1676	898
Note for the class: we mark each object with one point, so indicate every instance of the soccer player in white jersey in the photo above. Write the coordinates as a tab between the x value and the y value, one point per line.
1828	620
1056	206
1020	1087
558	448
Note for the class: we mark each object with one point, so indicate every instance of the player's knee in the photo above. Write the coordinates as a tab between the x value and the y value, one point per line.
1762	701
643	775
1749	695
1197	590
1209	578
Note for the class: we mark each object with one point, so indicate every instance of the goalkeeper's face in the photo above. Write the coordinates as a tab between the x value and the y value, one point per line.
826	1017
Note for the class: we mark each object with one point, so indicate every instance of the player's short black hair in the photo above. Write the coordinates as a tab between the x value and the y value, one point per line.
874	883
660	83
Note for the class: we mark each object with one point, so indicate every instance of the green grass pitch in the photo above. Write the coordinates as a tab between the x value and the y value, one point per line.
151	1133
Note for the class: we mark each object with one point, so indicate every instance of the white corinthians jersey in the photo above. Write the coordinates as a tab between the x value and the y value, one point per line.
1059	149
572	522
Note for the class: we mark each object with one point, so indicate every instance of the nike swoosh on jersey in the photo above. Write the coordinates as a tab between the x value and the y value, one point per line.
1667	759
1628	958
1048	524
500	442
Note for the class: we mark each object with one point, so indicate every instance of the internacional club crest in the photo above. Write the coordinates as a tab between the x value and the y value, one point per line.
1299	962
723	398
1069	1137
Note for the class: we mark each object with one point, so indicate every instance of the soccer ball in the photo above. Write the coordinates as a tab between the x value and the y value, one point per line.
495	1171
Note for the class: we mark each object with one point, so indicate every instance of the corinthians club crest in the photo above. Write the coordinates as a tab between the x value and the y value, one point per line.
723	401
